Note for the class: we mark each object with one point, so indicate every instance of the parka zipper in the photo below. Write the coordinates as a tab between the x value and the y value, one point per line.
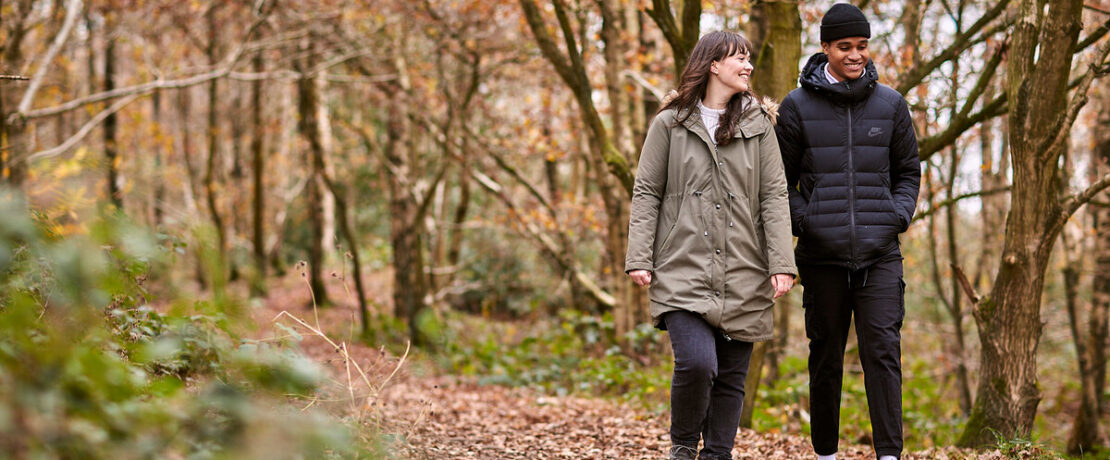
851	196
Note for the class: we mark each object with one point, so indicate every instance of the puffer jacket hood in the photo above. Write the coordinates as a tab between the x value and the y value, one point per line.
844	92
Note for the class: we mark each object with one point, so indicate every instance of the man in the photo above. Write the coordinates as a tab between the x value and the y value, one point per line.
852	170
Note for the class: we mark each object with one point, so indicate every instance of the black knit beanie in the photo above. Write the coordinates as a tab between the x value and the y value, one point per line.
844	20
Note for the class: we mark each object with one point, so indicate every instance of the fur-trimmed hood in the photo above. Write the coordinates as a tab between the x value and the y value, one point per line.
767	104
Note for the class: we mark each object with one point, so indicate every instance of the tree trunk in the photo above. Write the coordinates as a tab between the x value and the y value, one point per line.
775	74
210	170
1009	317
308	98
320	166
159	159
13	167
681	33
1087	434
410	284
258	176
111	147
956	348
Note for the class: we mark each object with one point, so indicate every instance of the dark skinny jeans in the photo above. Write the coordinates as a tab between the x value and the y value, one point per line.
707	390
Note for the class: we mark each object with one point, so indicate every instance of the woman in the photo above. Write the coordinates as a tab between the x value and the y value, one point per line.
710	234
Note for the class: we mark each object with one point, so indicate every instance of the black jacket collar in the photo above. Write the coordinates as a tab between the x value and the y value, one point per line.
844	92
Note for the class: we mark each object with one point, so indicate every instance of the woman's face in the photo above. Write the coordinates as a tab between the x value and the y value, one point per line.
847	57
734	72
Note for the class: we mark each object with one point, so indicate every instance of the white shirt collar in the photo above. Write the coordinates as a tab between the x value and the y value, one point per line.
709	111
832	79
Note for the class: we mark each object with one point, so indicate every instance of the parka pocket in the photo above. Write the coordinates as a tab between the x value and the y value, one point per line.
669	215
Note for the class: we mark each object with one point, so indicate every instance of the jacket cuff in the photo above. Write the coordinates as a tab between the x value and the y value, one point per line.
796	225
904	221
629	266
784	270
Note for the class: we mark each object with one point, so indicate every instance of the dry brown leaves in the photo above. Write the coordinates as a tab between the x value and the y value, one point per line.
446	417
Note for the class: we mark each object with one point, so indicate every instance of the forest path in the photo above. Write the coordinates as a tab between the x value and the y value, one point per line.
436	416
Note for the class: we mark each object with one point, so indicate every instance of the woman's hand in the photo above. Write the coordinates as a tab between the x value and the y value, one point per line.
782	283
640	277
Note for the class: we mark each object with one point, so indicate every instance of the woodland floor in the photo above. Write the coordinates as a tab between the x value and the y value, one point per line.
430	415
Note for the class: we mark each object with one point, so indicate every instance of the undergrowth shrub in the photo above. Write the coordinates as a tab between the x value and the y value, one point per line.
571	354
89	368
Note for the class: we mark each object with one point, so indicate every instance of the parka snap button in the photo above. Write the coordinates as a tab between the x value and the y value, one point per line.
718	206
697	193
730	224
706	233
717	293
720	163
718	251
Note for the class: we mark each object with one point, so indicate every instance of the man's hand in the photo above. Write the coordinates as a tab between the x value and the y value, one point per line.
782	283
640	277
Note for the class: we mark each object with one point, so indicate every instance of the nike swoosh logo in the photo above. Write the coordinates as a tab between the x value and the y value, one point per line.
874	132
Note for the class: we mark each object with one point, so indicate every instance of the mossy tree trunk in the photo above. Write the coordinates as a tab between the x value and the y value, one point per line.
1040	116
775	75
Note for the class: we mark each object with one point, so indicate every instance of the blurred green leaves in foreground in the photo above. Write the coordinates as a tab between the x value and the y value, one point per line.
89	369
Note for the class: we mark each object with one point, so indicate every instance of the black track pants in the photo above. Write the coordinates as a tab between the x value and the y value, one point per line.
875	295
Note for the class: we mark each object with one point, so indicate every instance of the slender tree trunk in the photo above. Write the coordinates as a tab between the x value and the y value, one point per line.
308	97
1087	434
775	74
461	210
212	164
159	159
957	348
320	166
287	122
1009	317
13	148
258	176
406	211
111	146
236	190
409	281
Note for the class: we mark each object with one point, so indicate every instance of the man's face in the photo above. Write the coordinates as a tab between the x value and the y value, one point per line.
847	57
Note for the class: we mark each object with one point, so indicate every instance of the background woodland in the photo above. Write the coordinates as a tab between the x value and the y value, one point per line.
456	174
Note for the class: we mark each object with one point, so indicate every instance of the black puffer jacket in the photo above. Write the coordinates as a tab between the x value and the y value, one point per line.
852	167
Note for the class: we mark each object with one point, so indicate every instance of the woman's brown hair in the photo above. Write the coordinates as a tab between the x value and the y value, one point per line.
714	46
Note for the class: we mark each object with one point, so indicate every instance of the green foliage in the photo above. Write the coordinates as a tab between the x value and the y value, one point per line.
932	416
89	368
1023	449
571	354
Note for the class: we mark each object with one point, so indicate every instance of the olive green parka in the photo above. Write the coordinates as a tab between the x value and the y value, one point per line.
712	223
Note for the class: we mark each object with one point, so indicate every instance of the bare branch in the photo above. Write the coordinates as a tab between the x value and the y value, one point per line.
640	80
1094	36
934	208
294	75
1074	202
933	144
73	9
915	75
1079	99
229	62
1095	8
84	131
544	241
964	283
546	43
